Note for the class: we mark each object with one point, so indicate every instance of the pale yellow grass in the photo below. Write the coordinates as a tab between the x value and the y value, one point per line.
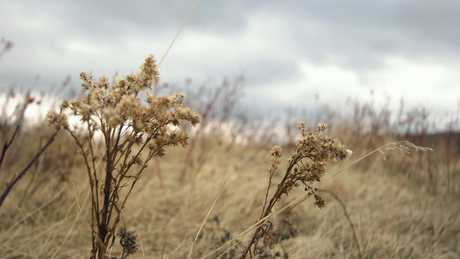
393	216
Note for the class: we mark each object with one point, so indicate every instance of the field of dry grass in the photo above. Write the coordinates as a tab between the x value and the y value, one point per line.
387	205
405	207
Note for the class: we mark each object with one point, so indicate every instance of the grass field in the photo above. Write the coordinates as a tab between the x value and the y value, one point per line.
404	207
210	199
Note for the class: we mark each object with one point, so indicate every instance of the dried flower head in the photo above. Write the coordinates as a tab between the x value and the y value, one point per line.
128	242
308	162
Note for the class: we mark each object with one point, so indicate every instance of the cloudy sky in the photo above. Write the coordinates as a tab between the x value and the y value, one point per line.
288	51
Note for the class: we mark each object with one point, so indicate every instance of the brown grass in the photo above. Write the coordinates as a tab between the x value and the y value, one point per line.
394	215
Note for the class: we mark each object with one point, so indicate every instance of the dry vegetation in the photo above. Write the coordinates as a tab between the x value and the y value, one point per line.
388	205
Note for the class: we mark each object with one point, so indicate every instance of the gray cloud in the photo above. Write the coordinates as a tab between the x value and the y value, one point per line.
267	40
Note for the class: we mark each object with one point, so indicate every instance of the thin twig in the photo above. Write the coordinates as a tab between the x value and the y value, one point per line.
7	145
16	178
175	250
401	146
80	214
349	220
140	241
164	244
204	221
177	35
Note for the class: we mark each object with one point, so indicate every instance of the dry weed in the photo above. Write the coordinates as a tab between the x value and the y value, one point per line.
133	132
305	166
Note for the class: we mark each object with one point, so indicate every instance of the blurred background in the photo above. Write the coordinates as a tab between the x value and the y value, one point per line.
291	54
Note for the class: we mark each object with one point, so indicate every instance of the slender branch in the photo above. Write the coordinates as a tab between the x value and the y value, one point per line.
90	176
204	221
349	220
272	172
7	145
93	164
16	178
267	210
118	147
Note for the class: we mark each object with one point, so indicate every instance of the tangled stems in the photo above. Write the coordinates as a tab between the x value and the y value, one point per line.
133	132
306	166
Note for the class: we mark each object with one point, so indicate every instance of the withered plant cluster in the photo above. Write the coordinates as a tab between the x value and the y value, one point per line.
306	166
133	132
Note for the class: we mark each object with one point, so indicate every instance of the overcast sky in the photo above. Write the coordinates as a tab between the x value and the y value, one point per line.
288	51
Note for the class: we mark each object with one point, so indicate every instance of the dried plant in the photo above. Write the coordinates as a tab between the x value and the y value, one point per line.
306	166
133	132
128	242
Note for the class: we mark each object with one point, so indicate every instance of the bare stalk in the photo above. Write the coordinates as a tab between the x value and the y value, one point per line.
8	144
17	177
349	220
